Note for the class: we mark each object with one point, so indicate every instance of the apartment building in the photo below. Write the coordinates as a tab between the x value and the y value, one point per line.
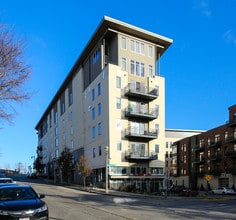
207	160
112	101
172	136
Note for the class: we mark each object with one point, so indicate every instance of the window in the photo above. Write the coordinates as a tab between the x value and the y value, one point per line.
123	64
56	131
93	113
94	152
118	82
72	144
99	89
137	47
96	55
100	151
99	109
118	146
150	71
56	142
93	94
132	45
167	144
226	135
123	43
142	48
93	132
71	130
150	51
156	148
132	67
62	103
142	70
71	116
137	68
118	103
56	117
99	128
70	94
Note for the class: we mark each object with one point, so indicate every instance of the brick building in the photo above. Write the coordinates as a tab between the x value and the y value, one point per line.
209	154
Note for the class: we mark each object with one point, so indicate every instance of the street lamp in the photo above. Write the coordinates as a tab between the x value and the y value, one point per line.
54	169
106	164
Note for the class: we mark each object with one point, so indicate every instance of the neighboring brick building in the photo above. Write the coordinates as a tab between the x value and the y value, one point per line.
211	153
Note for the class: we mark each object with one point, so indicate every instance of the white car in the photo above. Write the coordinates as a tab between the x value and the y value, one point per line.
223	190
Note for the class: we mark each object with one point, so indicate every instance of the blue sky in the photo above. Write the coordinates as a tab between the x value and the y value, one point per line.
199	67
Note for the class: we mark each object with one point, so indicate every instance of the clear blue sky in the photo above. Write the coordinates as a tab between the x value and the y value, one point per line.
199	67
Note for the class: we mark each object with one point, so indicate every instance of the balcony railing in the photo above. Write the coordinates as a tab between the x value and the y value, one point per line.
199	148
215	157
199	160
230	153
143	92
137	155
134	132
216	172
215	144
148	114
232	123
231	139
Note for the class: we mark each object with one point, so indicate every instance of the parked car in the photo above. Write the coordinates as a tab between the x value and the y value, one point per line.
22	202
223	190
7	180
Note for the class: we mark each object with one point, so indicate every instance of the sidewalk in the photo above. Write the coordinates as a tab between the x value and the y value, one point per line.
111	192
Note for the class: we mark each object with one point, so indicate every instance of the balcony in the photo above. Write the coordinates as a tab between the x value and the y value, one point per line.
142	134
230	153
148	114
232	123
199	147
215	144
199	160
231	139
216	172
141	92
140	156
201	173
216	157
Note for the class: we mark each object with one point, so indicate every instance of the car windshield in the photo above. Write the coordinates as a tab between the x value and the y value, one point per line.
8	194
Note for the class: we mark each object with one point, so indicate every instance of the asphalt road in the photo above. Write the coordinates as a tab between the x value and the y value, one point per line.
71	204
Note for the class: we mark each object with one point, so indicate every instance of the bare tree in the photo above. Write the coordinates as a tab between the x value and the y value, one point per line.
14	72
83	168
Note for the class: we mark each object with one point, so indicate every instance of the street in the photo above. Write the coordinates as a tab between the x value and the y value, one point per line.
71	204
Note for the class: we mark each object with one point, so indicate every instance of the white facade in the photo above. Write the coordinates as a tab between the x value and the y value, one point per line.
113	97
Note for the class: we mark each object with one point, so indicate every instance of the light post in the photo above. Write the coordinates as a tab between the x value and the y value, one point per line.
54	170
33	157
106	164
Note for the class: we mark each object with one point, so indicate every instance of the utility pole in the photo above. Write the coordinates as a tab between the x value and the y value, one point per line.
106	164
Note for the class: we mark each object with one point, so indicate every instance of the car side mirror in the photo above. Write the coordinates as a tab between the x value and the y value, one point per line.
41	196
